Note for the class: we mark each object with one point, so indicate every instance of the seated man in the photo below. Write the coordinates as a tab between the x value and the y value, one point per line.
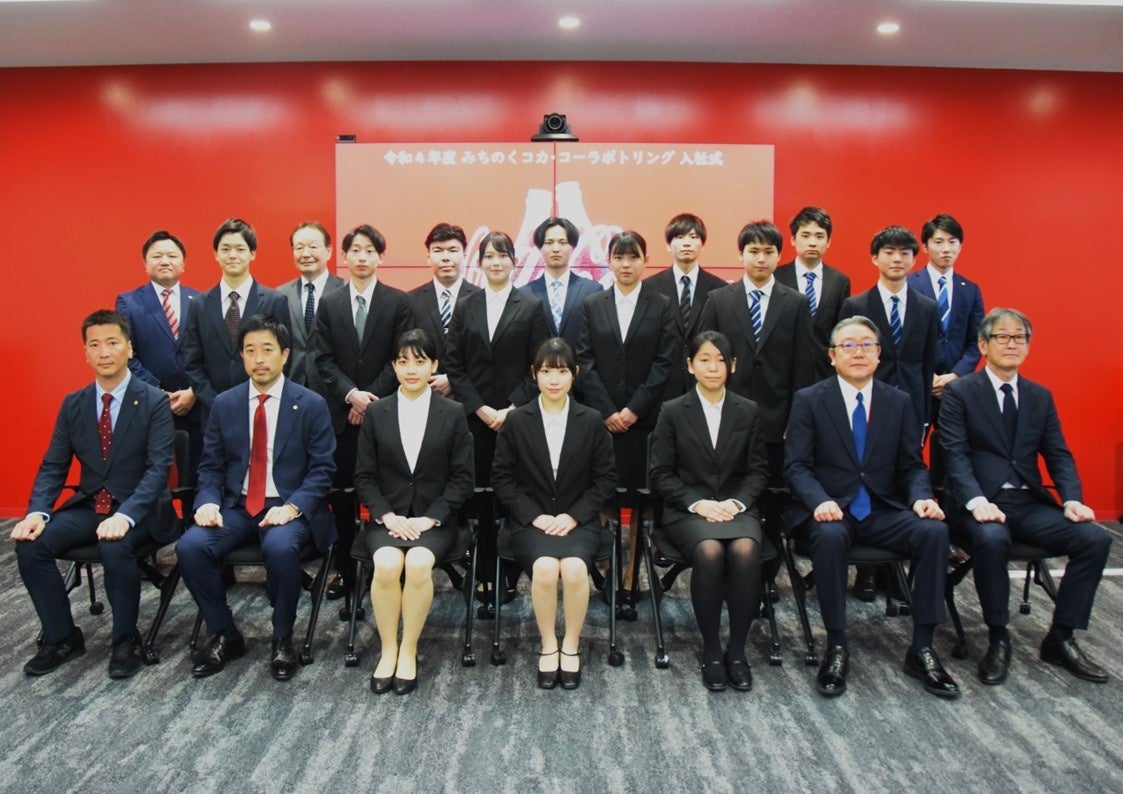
854	468
264	480
994	424
121	432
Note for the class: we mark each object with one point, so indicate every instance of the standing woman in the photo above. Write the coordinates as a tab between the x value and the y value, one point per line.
554	471
413	471
491	342
709	464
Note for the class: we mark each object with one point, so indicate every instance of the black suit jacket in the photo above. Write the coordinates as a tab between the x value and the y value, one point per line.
783	363
343	362
426	309
911	366
212	362
836	289
977	454
628	373
578	288
136	472
821	463
302	359
685	467
494	372
663	282
444	476
523	478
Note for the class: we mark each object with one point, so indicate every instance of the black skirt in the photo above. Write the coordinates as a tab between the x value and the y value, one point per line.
685	533
439	540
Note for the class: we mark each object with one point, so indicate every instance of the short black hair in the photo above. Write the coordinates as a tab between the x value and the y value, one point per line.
106	317
941	223
715	338
762	233
683	224
235	226
809	215
266	322
627	242
368	231
571	232
894	237
444	232
311	225
158	236
557	353
417	342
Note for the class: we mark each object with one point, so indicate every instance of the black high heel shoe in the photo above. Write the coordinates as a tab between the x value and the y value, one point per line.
570	680
548	679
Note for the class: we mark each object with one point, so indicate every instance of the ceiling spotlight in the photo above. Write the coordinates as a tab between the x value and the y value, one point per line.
260	25
887	28
569	23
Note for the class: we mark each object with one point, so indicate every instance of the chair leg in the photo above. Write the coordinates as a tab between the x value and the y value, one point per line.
615	655
1024	607
194	644
625	610
497	655
73	577
351	659
167	590
900	580
96	607
955	576
318	588
468	658
1046	580
799	590
661	660
775	656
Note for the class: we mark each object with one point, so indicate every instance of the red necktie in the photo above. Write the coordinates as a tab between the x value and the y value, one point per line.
103	502
259	459
173	323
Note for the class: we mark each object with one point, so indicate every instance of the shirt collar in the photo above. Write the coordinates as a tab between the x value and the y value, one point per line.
631	297
243	291
766	289
801	269
365	293
420	403
886	295
679	273
706	404
274	390
319	282
997	382
160	290
454	289
118	391
500	296
550	418
849	392
936	275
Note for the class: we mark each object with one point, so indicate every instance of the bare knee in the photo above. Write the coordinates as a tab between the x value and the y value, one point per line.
388	562
419	566
545	569
574	572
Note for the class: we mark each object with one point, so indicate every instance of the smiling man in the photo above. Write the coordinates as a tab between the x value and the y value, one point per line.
311	252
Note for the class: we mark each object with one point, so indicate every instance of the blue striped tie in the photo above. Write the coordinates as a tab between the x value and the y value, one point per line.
754	313
943	304
809	291
895	321
860	505
446	309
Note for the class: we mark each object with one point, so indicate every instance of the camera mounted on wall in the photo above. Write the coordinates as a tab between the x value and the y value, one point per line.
554	127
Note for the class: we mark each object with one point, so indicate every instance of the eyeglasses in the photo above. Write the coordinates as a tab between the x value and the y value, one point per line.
850	347
1005	339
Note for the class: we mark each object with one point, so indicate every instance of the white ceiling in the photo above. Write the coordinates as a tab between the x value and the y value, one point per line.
933	32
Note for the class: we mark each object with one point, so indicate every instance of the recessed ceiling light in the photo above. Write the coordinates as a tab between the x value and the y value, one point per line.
887	28
569	23
260	25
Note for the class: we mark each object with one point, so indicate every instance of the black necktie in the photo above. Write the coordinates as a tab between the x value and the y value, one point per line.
684	303
310	307
1009	412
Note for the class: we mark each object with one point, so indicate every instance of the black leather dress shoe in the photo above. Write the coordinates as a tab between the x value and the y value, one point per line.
739	674
219	650
125	660
1068	654
52	654
380	686
831	680
548	679
713	676
335	589
284	663
996	663
403	686
570	679
925	665
865	585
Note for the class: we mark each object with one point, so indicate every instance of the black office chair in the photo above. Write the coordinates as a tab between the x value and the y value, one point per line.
85	557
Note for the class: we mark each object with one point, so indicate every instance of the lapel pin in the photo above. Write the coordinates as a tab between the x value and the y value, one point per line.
296	407
136	402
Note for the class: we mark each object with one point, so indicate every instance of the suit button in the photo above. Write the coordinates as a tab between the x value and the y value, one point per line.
360	363
861	475
756	364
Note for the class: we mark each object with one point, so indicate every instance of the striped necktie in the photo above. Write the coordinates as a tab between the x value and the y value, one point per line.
446	309
895	321
684	302
809	291
754	313
944	304
169	313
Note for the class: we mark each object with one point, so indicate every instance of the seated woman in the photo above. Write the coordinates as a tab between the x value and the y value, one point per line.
553	501
709	465
413	471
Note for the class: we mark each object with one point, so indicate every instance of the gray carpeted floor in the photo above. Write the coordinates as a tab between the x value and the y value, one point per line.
631	728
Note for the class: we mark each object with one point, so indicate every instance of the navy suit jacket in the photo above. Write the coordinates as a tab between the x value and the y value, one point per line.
835	290
978	456
426	315
685	466
212	362
303	454
911	366
663	282
958	350
158	358
577	290
302	359
136	472
821	463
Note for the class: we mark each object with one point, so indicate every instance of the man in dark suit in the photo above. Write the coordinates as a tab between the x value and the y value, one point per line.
854	467
311	252
356	328
825	287
212	360
686	285
261	479
157	314
120	430
561	291
432	303
995	426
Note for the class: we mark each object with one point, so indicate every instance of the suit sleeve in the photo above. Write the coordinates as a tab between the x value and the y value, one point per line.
708	321
971	354
602	462
319	448
1058	460
124	308
849	309
368	471
805	350
55	465
504	477
337	384
461	471
593	392
194	358
961	478
912	473
664	465
386	382
456	363
649	395
748	488
799	454
158	461
537	333
210	477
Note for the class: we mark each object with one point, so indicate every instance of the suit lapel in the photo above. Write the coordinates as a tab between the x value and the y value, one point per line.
777	303
217	318
836	411
510	309
154	307
741	312
643	303
984	394
296	309
911	325
730	420
287	415
538	441
434	431
695	414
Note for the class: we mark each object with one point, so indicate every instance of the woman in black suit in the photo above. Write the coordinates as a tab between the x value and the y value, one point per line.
554	471
413	471
709	465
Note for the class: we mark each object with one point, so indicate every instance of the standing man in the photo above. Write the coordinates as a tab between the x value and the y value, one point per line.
853	464
120	430
561	291
267	466
212	358
996	426
432	303
356	328
825	287
686	284
157	315
311	252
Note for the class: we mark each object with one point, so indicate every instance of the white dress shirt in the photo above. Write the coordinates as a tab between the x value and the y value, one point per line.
712	412
243	291
366	293
887	301
625	307
678	273
801	271
764	299
496	303
173	300
850	398
272	411
554	426
413	415
318	285
935	275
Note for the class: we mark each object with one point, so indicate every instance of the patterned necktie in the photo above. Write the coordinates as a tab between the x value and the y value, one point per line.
169	313
556	304
102	500
943	304
446	309
895	321
310	307
684	302
233	319
860	505
360	316
259	459
809	291
754	313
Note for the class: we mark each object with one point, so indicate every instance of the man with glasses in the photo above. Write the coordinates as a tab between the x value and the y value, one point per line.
995	424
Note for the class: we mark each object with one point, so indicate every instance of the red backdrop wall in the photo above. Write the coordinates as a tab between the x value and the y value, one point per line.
92	160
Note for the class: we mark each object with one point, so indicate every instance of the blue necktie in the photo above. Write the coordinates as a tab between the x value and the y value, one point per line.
944	304
556	302
809	291
895	321
310	307
754	313
446	309
860	505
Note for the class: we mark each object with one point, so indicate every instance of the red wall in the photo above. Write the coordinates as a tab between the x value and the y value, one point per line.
92	160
